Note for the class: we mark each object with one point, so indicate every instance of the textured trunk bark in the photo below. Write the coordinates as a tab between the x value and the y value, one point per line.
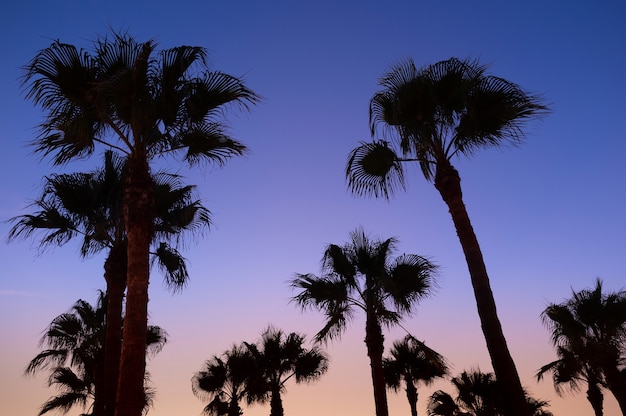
595	397
617	386
233	407
115	276
138	215
411	395
448	183
374	342
98	381
276	402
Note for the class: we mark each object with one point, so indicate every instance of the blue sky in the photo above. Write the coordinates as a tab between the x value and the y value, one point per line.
548	214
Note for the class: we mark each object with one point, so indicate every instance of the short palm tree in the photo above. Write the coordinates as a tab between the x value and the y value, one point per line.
89	206
569	370
75	357
362	275
280	357
434	114
143	103
224	381
589	333
410	362
478	394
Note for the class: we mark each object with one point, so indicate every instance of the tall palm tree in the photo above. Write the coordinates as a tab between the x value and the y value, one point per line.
75	357
362	275
410	362
224	381
589	332
280	357
445	110
144	103
89	206
478	394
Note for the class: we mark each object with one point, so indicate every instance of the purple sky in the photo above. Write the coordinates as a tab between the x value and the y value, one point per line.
548	214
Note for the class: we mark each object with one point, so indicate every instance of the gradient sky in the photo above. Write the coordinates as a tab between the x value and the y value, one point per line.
548	214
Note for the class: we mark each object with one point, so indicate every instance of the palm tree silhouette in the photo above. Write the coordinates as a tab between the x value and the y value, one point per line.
589	333
447	109
75	357
89	206
224	381
128	97
569	370
278	358
362	275
410	362
478	394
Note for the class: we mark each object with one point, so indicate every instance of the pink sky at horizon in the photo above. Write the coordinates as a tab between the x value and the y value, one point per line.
548	214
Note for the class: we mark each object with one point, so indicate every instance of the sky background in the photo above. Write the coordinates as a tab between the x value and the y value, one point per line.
548	214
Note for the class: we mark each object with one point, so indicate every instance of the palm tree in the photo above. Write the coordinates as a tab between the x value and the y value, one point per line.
409	363
142	103
224	381
89	206
280	357
447	109
589	333
362	275
478	394
75	357
569	370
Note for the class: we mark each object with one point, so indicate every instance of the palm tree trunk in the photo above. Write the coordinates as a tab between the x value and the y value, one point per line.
99	371
411	395
233	407
276	402
595	397
138	215
115	276
448	183
374	342
616	383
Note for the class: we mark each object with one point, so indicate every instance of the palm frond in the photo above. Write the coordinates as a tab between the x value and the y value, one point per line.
411	279
209	94
496	112
373	169
174	266
156	339
207	142
64	402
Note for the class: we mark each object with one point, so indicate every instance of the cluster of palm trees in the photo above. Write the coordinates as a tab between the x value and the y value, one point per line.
88	207
361	275
477	394
589	333
139	104
75	359
432	115
257	372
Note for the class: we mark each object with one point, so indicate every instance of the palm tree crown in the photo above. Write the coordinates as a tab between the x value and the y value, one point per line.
410	362
129	97
448	108
280	357
362	275
224	381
